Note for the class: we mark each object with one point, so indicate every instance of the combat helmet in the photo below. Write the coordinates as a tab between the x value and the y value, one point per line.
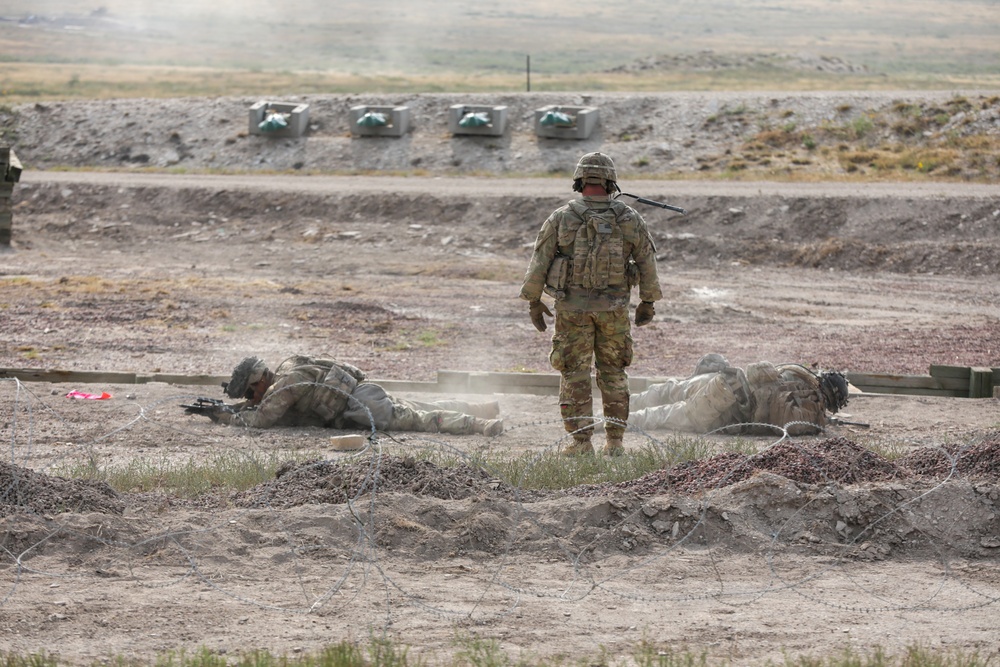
247	372
596	168
711	363
834	388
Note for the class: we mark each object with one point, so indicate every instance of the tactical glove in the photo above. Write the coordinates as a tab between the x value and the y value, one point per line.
537	309
644	313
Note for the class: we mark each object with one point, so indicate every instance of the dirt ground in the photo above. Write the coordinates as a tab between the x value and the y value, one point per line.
860	537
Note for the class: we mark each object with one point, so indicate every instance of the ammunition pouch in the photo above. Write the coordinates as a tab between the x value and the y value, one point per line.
558	275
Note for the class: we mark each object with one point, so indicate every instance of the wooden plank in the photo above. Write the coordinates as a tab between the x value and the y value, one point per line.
514	379
403	385
457	379
544	384
498	379
905	381
78	377
961	372
981	382
911	391
540	384
174	378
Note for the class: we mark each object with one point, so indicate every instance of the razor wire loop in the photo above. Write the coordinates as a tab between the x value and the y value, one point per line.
498	596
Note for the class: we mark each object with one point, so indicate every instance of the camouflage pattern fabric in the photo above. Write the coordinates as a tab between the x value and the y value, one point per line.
407	418
607	242
697	404
372	407
580	339
784	403
764	394
320	392
246	373
312	393
565	232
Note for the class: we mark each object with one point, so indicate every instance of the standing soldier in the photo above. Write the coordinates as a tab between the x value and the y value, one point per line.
588	255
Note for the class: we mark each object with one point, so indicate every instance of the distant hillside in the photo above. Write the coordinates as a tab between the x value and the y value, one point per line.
915	38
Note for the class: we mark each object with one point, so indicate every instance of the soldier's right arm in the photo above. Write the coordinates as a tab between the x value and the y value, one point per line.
279	398
546	245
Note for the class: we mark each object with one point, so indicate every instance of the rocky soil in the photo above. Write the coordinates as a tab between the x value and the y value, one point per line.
403	256
754	135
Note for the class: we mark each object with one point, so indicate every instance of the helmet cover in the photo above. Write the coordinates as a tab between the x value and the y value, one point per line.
247	372
595	168
711	363
834	387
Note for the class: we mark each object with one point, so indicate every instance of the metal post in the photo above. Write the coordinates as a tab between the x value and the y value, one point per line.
528	70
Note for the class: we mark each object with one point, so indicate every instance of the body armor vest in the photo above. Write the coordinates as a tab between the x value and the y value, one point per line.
596	246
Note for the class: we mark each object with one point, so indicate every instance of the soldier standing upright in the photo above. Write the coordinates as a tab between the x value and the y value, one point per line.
588	255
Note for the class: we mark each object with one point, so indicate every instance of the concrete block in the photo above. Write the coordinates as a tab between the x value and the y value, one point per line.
296	115
6	226
6	215
397	121
583	120
494	128
10	166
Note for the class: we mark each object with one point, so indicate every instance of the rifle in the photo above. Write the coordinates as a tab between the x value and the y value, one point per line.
843	422
643	200
206	407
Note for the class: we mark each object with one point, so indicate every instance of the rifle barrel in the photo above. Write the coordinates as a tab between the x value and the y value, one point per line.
643	200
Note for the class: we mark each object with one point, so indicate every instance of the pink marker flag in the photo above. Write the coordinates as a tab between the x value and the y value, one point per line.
103	396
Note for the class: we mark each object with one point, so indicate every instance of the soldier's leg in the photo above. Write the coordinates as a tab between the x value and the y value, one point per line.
673	416
572	355
661	393
484	410
709	404
613	352
405	418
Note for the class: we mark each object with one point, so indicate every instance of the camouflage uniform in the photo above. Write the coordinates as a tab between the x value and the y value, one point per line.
606	248
765	394
321	392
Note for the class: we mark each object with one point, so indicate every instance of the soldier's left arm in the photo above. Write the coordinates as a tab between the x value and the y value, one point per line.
644	255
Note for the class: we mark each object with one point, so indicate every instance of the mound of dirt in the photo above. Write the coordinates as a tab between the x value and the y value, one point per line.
403	276
23	489
854	474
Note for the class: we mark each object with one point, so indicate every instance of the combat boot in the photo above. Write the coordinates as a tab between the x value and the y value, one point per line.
489	427
613	446
580	447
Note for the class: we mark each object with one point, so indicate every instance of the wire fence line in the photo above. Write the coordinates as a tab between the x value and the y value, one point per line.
821	542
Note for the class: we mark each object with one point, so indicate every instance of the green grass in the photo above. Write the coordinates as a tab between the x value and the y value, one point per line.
552	471
226	471
474	651
23	82
233	471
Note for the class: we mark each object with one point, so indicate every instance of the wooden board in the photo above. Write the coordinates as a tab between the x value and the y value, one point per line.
978	382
